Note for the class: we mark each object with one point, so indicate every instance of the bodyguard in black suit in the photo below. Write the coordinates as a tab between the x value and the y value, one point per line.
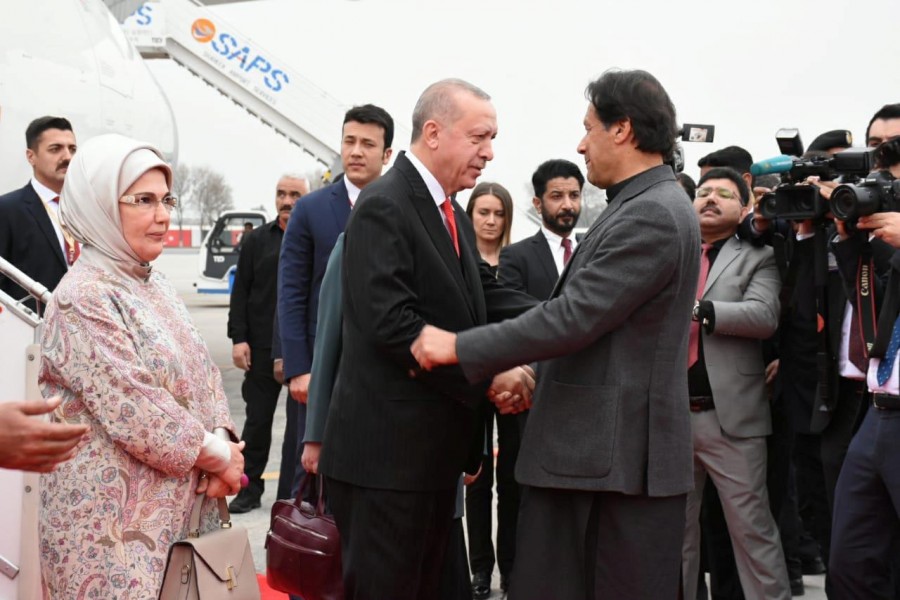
397	438
533	265
30	235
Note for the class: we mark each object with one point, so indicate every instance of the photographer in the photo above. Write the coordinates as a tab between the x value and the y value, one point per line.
821	378
866	516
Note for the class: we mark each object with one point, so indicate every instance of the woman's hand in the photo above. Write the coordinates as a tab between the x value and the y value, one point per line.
227	482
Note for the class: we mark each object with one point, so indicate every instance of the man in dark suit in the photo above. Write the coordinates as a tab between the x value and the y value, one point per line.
605	462
396	438
532	266
737	308
315	224
30	235
250	321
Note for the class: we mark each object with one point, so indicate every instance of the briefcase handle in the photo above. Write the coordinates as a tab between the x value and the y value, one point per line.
224	515
320	484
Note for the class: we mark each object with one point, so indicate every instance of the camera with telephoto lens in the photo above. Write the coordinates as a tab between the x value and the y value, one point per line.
877	192
796	202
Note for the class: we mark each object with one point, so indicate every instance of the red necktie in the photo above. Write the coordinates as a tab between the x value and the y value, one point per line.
567	250
694	340
447	207
73	248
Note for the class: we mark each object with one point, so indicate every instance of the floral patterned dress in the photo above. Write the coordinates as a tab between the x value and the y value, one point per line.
126	358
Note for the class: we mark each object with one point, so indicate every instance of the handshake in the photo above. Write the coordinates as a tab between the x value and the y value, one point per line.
510	391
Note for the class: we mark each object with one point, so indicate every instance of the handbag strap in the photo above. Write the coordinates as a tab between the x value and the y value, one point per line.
320	484
224	515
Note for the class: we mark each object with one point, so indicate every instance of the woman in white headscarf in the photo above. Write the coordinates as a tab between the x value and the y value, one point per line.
120	348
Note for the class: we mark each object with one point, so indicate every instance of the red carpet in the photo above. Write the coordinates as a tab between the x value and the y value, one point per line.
267	593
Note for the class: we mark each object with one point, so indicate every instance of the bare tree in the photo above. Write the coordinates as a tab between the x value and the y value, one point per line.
182	186
210	195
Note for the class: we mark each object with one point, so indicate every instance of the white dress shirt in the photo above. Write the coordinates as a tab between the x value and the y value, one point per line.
352	191
556	248
47	195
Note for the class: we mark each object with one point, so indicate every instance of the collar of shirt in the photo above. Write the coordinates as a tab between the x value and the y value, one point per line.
431	182
43	192
352	190
555	240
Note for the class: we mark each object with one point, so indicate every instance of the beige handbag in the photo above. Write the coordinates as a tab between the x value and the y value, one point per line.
215	566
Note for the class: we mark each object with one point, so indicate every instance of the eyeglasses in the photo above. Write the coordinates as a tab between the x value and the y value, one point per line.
721	192
148	202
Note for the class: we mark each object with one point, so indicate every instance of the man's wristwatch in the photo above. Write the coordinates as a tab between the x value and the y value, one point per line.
695	313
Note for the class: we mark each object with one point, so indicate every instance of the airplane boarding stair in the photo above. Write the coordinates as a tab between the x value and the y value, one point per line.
212	49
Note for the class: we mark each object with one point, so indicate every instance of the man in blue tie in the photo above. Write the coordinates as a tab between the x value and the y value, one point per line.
867	500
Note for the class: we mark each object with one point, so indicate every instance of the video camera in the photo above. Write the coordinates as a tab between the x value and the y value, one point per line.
689	132
795	201
877	192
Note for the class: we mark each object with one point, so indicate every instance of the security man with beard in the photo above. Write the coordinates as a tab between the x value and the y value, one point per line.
250	322
533	265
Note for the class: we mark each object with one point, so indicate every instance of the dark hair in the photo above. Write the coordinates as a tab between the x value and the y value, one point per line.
687	184
888	111
733	157
640	98
375	115
37	128
733	176
552	169
487	188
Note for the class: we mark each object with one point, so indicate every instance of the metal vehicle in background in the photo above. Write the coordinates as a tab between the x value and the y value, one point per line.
220	250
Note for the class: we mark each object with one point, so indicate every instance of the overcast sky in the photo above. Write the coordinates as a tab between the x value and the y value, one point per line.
748	68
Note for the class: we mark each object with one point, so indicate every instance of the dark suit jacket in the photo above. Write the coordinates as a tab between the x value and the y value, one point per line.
885	284
316	222
328	347
609	412
28	241
812	402
528	266
390	425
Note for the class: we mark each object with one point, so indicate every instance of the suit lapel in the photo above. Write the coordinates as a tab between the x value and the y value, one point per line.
544	256
340	204
39	212
429	214
727	254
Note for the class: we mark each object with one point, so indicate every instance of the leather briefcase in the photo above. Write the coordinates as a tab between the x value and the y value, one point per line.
215	566
303	549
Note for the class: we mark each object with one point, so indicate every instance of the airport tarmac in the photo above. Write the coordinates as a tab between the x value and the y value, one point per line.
210	314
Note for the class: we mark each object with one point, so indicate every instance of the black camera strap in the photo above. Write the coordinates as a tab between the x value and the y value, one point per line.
865	299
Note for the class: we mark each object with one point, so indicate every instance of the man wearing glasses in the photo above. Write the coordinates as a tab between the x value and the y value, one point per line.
737	307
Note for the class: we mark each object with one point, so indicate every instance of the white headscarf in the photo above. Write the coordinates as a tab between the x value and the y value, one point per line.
100	172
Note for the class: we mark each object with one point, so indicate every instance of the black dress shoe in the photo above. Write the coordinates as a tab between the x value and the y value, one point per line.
244	502
481	585
813	566
797	587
